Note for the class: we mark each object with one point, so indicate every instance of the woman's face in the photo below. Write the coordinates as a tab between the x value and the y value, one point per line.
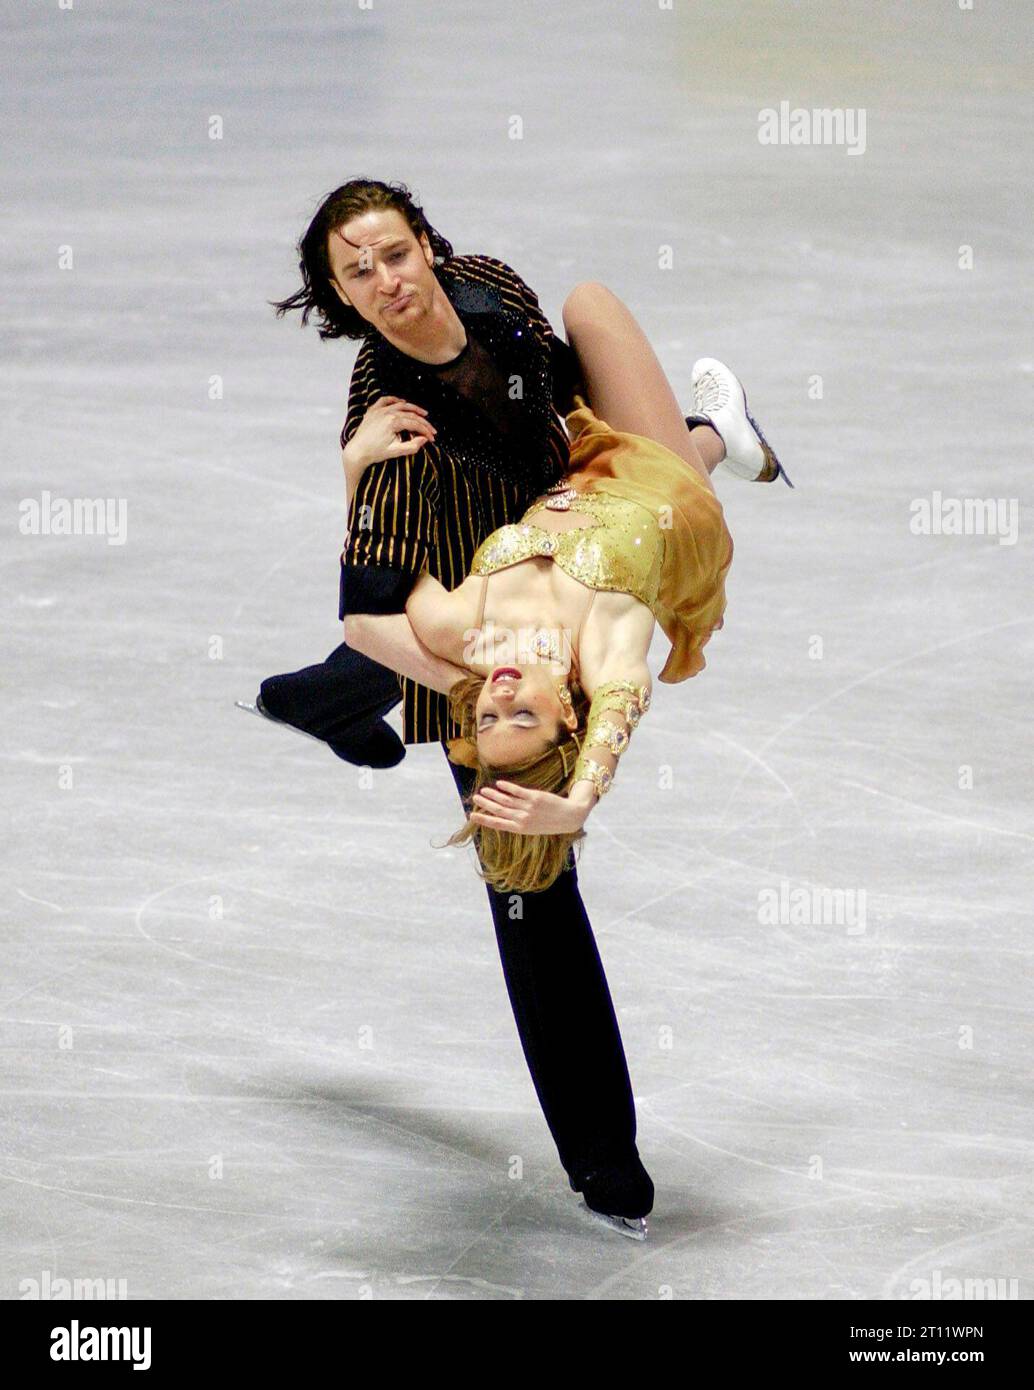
519	713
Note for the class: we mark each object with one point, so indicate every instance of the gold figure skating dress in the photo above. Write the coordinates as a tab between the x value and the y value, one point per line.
659	534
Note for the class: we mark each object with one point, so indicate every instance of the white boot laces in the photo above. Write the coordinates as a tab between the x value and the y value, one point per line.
712	393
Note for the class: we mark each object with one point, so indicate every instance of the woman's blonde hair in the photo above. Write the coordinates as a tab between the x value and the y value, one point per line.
510	862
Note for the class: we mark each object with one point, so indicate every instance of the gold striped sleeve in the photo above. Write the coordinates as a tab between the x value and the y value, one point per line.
392	520
362	391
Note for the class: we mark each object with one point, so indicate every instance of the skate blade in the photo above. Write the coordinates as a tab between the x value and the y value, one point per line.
634	1227
771	462
773	468
250	708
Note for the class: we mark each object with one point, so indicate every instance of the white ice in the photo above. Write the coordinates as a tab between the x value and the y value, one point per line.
256	1039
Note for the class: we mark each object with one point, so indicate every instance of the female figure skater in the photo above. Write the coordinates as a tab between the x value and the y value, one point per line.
547	636
562	607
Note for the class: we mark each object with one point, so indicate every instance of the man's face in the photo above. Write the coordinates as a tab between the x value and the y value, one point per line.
383	271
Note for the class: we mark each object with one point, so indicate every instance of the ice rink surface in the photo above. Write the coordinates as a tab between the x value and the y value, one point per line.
255	1034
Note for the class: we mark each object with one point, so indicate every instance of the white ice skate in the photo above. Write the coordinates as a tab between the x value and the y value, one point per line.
718	394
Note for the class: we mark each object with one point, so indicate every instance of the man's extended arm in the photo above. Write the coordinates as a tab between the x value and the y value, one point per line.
389	639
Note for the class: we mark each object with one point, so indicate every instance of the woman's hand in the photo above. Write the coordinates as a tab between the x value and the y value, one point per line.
507	806
377	437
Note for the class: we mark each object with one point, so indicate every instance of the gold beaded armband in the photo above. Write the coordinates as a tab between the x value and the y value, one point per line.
624	698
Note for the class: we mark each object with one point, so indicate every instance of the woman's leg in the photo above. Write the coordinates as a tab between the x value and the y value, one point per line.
625	382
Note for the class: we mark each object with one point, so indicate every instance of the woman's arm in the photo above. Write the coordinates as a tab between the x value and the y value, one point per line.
390	639
621	695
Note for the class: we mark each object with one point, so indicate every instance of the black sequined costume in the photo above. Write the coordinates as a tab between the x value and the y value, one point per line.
500	441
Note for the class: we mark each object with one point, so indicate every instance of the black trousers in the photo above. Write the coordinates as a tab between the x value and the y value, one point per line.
569	1032
554	977
343	701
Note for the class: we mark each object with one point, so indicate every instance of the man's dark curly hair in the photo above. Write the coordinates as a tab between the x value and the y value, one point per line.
334	319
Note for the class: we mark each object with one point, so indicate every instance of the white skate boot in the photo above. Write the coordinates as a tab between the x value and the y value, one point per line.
718	394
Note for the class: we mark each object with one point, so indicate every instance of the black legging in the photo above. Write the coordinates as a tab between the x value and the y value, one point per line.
565	1018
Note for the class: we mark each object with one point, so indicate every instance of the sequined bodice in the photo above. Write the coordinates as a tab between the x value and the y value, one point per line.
623	550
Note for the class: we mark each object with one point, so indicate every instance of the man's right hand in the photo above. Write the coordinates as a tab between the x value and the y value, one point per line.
377	437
